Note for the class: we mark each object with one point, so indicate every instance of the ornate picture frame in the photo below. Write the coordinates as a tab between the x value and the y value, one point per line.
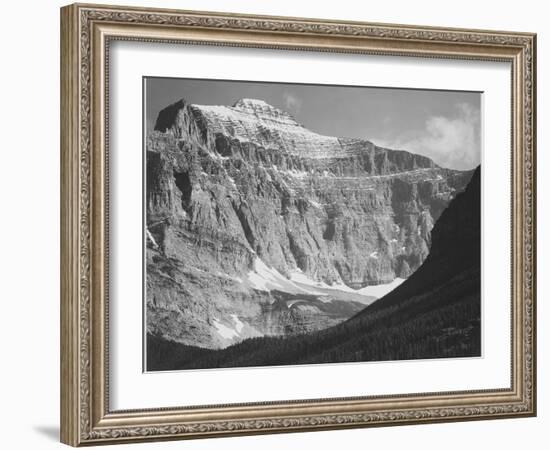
87	31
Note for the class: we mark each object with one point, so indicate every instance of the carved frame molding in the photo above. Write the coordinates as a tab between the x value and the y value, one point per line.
86	31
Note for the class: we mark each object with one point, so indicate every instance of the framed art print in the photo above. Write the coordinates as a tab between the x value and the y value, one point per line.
318	207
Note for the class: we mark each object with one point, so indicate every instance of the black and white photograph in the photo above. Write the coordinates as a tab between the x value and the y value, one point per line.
290	224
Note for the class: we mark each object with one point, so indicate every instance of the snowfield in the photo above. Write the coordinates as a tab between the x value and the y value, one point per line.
224	331
264	278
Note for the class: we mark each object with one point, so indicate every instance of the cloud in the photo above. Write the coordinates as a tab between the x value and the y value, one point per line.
292	103
452	142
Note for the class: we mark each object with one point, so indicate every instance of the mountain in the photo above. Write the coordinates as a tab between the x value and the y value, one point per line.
258	226
435	313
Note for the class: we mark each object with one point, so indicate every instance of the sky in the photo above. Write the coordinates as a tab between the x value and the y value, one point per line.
443	125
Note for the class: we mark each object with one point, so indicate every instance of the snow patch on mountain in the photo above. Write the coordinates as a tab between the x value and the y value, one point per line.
264	278
238	324
224	331
380	290
369	291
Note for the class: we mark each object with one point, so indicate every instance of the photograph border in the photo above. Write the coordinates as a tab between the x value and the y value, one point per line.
86	32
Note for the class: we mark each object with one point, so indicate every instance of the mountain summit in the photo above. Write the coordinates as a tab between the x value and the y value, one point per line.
264	111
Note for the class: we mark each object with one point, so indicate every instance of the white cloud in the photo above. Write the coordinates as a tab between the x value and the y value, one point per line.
292	103
452	142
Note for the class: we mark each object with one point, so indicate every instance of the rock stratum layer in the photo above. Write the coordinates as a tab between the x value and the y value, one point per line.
258	226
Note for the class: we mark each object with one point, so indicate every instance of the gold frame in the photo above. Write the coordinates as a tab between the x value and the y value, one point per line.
86	31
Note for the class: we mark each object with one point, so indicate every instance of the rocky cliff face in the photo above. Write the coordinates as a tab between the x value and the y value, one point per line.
253	221
435	313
